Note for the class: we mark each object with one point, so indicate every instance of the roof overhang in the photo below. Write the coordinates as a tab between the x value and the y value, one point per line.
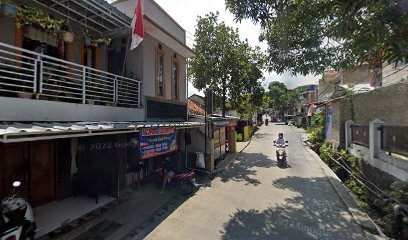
23	132
97	15
161	34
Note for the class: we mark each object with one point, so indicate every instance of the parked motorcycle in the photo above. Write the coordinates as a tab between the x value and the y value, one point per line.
281	153
17	218
184	180
266	122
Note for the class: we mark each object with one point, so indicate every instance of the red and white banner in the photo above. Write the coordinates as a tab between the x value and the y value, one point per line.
137	26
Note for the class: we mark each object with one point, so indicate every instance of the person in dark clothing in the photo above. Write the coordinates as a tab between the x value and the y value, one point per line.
134	163
168	169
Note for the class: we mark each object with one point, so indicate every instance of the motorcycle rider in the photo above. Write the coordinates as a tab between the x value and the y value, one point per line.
280	141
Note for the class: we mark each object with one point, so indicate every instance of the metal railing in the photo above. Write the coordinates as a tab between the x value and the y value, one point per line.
360	135
395	139
24	72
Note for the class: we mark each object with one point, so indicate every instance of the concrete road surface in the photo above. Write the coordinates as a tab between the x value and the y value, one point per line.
255	199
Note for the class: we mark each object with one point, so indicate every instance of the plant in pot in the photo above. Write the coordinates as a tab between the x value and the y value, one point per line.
36	19
67	36
8	9
87	38
101	42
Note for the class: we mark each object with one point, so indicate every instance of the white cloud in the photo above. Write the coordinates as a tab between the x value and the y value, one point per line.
293	81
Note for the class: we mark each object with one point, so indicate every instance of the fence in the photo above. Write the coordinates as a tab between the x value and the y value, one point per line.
395	139
360	135
27	72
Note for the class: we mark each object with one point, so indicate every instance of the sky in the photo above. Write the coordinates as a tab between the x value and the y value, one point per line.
185	12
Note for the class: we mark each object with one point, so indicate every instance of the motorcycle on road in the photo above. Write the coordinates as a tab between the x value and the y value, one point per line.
281	153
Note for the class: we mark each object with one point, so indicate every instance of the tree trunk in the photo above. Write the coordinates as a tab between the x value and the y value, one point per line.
224	92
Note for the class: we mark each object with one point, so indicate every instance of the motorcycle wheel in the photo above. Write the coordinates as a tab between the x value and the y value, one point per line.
187	187
31	234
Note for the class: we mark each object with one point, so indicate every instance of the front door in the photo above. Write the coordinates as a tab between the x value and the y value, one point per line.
14	167
42	167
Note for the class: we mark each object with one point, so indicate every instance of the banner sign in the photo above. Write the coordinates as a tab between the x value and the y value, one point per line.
157	141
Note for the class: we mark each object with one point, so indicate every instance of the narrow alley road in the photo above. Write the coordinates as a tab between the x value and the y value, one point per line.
255	199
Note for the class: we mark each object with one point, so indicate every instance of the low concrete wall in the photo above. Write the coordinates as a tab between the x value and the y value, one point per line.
383	165
16	109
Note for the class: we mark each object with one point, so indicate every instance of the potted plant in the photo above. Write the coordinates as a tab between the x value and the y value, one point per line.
39	25
67	35
8	9
87	38
101	42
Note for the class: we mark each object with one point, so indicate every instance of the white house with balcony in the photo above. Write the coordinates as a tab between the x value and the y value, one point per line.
71	110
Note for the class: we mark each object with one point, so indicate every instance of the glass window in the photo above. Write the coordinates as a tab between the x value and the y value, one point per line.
175	79
160	84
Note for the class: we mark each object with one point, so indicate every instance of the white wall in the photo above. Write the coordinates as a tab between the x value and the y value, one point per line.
149	45
156	13
16	109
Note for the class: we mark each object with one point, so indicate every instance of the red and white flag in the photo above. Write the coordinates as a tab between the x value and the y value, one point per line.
137	26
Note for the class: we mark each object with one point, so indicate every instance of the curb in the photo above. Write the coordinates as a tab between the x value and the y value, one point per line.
371	230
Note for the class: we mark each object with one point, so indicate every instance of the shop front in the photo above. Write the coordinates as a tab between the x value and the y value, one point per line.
215	140
69	170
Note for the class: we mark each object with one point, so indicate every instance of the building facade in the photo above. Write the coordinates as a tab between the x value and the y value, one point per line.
74	112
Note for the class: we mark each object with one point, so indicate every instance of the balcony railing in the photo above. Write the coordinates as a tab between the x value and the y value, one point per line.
26	73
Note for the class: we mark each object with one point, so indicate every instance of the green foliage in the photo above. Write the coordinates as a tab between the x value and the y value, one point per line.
37	18
239	137
225	64
316	130
380	210
282	99
356	188
326	151
350	100
310	36
98	41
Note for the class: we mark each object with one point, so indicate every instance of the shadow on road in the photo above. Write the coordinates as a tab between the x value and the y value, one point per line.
241	170
282	124
259	136
316	213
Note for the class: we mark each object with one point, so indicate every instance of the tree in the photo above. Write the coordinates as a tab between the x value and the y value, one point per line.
282	99
310	36
224	63
250	103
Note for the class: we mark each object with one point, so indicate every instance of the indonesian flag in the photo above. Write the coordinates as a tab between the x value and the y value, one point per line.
137	26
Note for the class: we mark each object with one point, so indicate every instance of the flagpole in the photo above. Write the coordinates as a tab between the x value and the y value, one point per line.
124	58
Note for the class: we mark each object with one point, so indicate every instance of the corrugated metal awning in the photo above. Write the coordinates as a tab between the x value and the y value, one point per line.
21	132
98	15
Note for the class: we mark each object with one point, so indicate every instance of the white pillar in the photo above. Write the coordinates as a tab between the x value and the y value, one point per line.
348	133
375	138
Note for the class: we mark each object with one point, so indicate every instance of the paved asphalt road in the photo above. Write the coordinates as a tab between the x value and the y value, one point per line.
255	199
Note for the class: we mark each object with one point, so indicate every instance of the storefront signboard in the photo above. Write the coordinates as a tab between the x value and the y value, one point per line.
157	141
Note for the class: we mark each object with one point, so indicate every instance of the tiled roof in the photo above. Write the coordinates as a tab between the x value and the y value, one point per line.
194	109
